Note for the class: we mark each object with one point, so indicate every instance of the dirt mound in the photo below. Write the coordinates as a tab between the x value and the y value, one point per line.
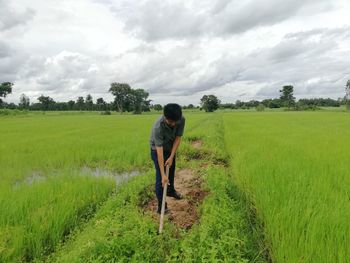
197	144
183	213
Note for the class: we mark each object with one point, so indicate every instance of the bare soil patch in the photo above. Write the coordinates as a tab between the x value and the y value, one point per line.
197	144
183	213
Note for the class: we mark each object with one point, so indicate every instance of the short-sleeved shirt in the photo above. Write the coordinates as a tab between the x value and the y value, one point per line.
163	135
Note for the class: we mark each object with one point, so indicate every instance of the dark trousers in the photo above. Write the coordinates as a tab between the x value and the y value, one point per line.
159	187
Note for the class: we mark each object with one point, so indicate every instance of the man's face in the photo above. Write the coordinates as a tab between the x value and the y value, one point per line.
170	122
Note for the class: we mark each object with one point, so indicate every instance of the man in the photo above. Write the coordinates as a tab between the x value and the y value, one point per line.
165	140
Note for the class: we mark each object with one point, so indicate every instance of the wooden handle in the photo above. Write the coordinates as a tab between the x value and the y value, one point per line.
163	202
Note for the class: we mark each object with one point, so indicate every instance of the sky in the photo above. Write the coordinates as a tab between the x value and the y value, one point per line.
176	50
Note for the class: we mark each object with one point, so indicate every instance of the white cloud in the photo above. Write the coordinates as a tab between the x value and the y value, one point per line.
177	50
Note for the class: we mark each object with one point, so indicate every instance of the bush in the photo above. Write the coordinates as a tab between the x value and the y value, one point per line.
260	107
6	112
106	112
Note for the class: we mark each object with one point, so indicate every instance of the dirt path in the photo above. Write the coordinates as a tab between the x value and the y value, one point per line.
183	213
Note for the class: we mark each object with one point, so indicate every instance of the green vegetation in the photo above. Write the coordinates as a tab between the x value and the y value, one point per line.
45	189
277	184
295	169
121	232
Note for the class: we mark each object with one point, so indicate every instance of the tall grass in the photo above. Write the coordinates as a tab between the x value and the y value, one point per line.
121	232
295	167
44	192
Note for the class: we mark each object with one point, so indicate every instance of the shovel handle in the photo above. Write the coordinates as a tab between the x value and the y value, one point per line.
163	202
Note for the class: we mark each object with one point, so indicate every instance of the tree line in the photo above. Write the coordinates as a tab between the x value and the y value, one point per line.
286	100
127	99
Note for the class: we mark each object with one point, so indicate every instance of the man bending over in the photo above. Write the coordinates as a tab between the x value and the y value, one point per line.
165	140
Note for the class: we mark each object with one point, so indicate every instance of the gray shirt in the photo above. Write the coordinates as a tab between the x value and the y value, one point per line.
163	135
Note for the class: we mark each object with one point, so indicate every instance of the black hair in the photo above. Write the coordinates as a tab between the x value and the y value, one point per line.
173	111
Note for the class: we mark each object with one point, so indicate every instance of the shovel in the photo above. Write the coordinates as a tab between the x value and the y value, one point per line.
163	202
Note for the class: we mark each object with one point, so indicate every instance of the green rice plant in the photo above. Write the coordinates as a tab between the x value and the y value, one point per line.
119	232
294	167
36	217
46	190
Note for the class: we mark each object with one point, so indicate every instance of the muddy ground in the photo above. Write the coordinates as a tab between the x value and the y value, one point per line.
183	213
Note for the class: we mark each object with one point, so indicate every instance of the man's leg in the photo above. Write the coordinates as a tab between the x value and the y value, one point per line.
158	185
171	189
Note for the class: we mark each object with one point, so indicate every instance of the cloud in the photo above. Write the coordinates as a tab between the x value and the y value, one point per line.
68	73
5	50
176	50
173	19
10	17
299	59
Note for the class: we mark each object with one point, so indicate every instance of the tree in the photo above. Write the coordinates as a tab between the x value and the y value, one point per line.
47	103
347	96
24	102
157	107
70	104
101	104
138	98
122	93
287	96
5	89
89	103
210	103
80	104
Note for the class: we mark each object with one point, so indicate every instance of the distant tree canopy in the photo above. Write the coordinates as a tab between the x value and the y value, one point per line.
136	100
157	107
210	103
89	102
287	97
5	89
24	102
128	99
347	95
80	103
101	104
46	102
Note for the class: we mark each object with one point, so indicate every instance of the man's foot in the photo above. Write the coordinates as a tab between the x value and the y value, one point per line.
174	194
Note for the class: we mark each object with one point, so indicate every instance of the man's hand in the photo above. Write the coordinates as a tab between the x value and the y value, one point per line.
169	161
164	180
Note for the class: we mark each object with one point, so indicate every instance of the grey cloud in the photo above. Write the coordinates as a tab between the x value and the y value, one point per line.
66	72
5	50
9	17
240	16
159	19
11	61
309	60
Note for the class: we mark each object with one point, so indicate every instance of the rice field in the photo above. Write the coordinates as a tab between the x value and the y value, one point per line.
295	168
277	183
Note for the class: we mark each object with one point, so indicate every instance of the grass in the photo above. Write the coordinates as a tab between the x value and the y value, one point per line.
294	167
120	232
45	192
283	173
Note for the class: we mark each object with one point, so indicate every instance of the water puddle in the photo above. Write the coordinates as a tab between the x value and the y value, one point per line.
119	177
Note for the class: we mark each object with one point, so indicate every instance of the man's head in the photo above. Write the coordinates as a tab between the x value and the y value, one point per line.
172	113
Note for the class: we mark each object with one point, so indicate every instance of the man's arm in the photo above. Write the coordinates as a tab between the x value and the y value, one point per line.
175	145
160	158
173	151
